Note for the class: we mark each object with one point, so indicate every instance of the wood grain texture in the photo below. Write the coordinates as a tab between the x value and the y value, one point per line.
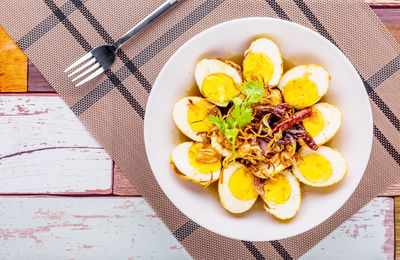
368	234
383	2
84	228
121	185
45	149
127	228
36	82
13	65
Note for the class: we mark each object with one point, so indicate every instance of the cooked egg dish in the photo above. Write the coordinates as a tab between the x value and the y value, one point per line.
304	85
324	122
320	168
263	62
196	162
191	116
219	81
235	188
282	195
257	131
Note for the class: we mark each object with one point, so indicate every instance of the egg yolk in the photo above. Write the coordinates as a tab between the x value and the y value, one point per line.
315	123
200	166
241	185
219	87
277	190
258	67
198	116
315	168
300	92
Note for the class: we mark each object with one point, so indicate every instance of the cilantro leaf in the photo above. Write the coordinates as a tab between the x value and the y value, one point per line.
242	115
218	122
231	135
230	122
254	91
237	101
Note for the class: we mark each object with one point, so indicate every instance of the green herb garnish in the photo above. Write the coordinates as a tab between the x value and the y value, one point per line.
242	112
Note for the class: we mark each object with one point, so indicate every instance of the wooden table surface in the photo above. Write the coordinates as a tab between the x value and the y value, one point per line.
61	195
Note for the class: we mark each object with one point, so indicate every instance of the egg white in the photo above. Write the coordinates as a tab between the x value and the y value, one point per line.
180	158
288	209
270	49
332	122
180	116
207	67
219	148
271	171
317	74
338	163
228	200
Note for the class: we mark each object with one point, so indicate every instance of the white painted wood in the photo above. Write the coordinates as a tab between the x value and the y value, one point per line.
368	234
44	148
384	2
127	228
83	228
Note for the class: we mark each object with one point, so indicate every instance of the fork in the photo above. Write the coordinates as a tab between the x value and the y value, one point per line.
102	57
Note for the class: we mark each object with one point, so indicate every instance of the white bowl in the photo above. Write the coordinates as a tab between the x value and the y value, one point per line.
299	45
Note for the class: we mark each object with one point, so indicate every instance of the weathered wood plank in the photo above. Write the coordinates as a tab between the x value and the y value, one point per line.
36	82
84	228
79	228
368	234
383	2
122	186
13	65
45	149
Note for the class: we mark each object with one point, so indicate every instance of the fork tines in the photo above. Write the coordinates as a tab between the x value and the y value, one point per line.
87	60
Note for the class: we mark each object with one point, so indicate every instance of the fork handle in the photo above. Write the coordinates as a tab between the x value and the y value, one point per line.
151	17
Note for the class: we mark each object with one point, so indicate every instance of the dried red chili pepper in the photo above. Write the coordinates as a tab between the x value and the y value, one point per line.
278	112
291	121
284	106
306	137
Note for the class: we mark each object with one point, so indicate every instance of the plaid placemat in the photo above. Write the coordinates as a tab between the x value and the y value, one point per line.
54	33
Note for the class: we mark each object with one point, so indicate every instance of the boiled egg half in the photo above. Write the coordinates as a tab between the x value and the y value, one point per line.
304	85
320	168
196	162
219	81
191	115
324	122
263	62
236	190
282	196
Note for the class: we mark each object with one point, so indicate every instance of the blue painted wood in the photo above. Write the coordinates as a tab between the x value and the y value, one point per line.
368	234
